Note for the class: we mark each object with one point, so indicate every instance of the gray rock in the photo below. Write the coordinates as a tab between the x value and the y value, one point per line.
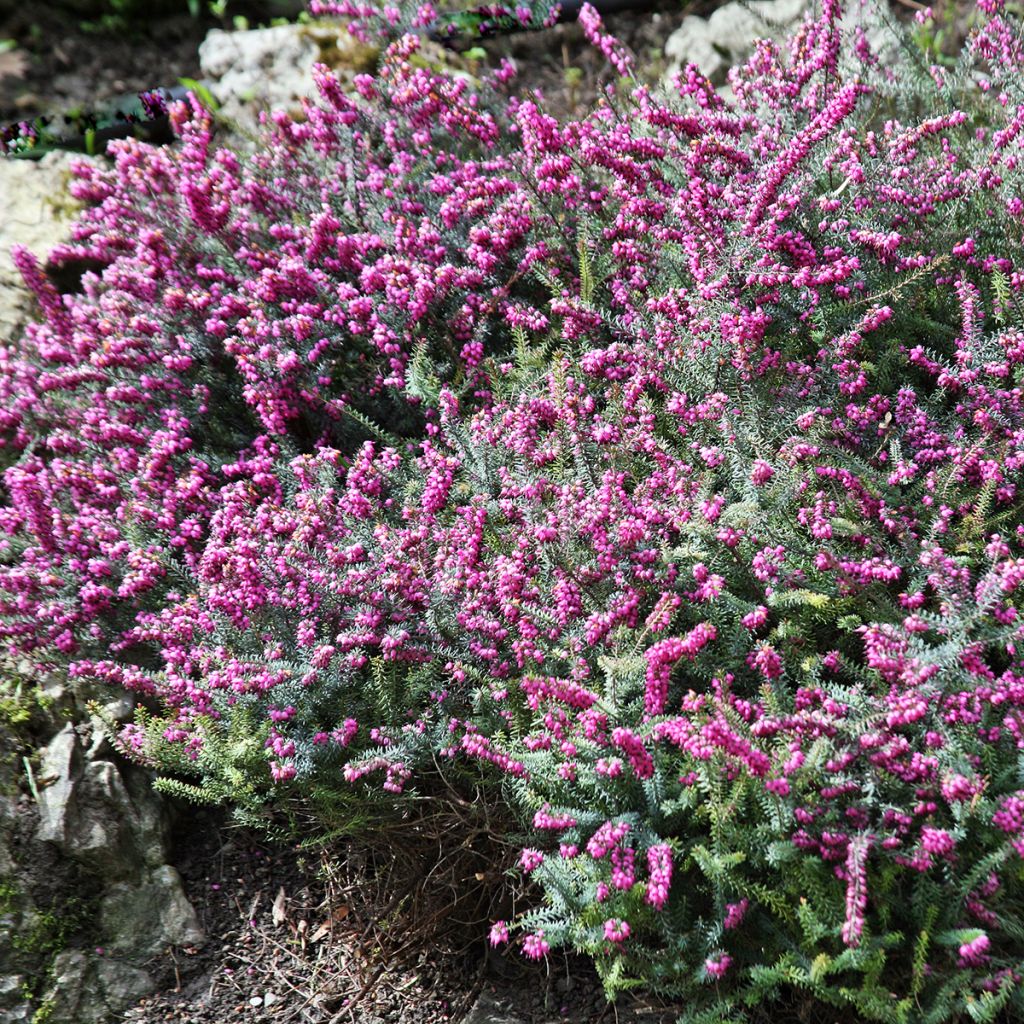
88	811
60	766
58	695
487	1010
68	994
12	987
8	802
90	989
264	68
693	43
143	919
122	984
19	1014
726	39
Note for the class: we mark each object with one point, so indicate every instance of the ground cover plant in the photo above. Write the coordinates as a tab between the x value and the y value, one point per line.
655	472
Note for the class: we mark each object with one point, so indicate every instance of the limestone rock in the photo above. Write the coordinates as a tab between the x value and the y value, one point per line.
12	987
87	810
271	68
37	212
728	36
122	984
98	849
267	67
60	765
693	43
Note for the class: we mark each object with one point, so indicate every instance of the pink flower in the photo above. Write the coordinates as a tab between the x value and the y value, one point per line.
534	946
766	660
499	933
755	619
734	913
856	888
937	841
616	930
717	966
659	865
761	473
975	952
530	859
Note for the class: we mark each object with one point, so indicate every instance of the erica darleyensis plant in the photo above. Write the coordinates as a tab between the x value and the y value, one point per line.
660	467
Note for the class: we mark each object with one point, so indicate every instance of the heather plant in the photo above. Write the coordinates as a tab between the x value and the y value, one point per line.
658	470
367	20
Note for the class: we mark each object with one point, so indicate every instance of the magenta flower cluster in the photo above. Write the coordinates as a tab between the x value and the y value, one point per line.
660	468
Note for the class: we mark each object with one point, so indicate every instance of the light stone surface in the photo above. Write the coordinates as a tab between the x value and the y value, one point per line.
727	38
36	212
717	43
92	990
271	68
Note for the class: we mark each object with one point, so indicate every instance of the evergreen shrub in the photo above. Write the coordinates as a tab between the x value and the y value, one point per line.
660	469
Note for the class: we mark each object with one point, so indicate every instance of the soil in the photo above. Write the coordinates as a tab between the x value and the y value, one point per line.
62	63
301	938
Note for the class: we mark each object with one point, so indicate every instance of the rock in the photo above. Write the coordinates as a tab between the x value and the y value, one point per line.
12	989
122	984
728	36
102	834
9	772
68	991
487	1010
92	990
693	43
6	860
39	211
271	68
88	812
17	1014
143	919
98	851
57	695
726	39
59	768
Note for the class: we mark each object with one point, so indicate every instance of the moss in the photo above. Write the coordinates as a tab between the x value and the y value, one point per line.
339	51
23	709
40	936
49	932
44	1012
9	896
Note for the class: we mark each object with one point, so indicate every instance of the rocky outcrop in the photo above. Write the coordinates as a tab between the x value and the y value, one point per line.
90	989
87	895
272	68
37	214
727	37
